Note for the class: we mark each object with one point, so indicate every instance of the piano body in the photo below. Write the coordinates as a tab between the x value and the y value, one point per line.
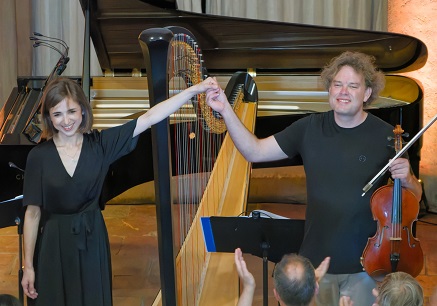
284	59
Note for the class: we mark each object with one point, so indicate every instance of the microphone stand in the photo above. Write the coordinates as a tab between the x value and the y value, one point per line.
402	151
47	41
19	223
60	65
32	131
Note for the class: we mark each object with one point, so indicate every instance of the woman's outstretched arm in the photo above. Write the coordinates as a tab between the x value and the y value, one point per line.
165	108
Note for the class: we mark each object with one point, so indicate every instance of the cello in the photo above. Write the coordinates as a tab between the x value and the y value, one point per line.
393	247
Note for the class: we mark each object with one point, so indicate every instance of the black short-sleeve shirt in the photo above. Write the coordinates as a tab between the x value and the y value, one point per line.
338	163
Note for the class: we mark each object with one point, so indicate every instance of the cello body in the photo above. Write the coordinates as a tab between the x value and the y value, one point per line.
393	247
386	253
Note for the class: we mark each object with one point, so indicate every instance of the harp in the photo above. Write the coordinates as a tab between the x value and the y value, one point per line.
208	176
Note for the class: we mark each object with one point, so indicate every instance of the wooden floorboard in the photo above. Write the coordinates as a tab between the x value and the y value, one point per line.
133	239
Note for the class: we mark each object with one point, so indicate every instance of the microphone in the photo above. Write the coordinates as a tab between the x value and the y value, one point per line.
12	165
43	43
62	63
51	39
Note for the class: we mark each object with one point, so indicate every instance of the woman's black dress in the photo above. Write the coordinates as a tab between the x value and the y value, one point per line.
74	263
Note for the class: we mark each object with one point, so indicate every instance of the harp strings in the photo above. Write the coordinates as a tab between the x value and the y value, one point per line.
195	152
201	167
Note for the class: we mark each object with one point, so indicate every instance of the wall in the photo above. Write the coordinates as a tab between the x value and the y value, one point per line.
16	50
8	55
418	18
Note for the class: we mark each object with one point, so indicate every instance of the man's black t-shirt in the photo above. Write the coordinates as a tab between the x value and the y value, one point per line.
338	163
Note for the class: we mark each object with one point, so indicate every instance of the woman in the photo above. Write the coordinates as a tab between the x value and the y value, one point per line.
64	177
400	289
397	288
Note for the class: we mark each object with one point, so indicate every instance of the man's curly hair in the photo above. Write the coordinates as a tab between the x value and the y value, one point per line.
363	64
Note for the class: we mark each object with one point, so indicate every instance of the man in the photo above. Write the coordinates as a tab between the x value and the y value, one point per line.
342	150
295	280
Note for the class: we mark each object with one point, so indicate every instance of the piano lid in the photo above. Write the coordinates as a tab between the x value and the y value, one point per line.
232	44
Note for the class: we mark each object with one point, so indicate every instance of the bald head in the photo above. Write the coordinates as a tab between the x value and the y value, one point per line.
295	281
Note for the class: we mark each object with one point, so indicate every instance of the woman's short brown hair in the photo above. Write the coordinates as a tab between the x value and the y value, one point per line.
55	92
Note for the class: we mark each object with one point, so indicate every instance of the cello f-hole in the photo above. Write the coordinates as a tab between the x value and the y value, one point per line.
381	236
412	245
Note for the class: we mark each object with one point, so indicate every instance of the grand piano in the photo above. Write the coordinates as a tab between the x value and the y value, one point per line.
284	60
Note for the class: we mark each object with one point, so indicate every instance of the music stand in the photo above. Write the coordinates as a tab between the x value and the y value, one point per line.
12	214
267	238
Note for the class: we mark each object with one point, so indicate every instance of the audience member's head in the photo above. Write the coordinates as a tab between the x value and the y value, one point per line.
294	280
9	300
400	289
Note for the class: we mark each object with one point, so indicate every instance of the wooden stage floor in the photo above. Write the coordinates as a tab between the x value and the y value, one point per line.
133	239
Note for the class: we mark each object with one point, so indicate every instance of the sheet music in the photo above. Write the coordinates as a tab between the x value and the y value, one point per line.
266	214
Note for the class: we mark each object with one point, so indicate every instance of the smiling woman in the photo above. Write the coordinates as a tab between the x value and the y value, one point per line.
66	117
73	257
66	104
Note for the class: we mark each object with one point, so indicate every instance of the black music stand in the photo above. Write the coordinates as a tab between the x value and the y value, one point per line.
267	238
12	214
